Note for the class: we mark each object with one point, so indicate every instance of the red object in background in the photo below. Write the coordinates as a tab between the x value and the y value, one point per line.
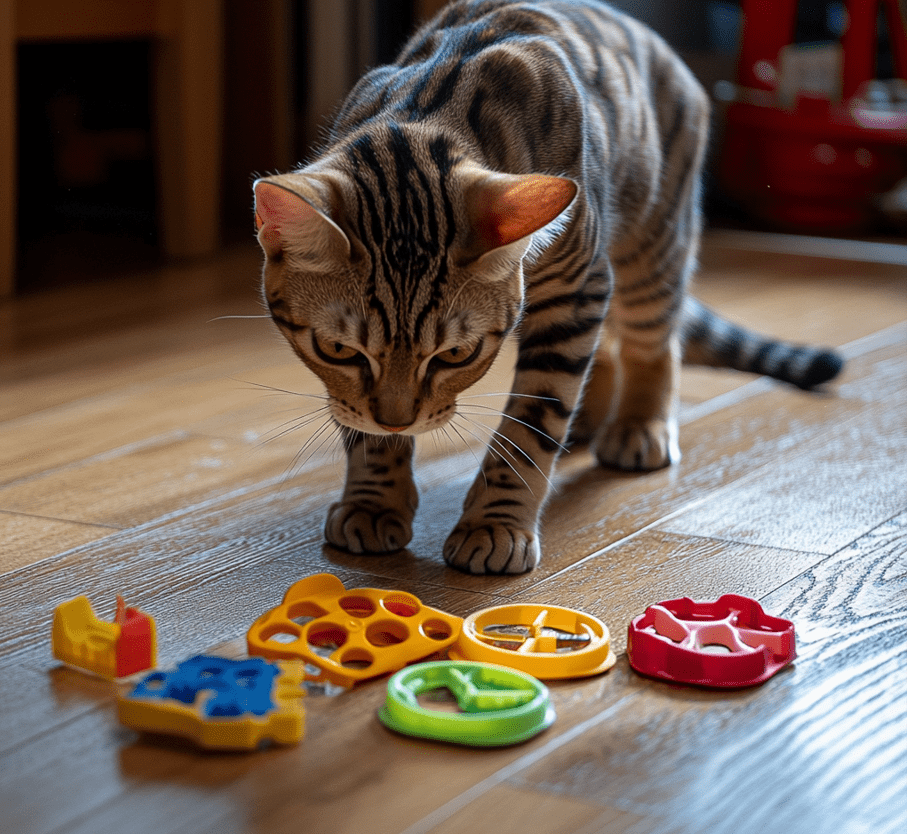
819	164
677	640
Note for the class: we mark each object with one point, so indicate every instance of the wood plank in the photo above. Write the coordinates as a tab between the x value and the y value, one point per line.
152	480
127	779
510	810
819	748
45	322
117	419
26	539
63	345
812	300
854	484
597	510
594	508
147	358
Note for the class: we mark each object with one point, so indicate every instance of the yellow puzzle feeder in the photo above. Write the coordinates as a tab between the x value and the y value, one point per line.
346	636
545	641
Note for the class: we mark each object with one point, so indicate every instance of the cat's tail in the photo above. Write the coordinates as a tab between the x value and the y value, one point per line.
712	340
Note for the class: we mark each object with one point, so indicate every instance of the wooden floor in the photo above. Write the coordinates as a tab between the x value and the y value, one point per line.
144	451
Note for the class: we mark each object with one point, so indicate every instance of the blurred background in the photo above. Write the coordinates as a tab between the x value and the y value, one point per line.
130	132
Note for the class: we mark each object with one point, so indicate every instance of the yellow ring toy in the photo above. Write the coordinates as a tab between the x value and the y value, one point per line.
545	641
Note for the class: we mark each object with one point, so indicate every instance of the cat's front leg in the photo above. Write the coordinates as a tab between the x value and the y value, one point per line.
499	529
375	513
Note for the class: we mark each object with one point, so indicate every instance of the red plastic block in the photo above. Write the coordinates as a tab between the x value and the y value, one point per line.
111	650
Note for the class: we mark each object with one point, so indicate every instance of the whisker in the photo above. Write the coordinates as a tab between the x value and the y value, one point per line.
222	318
469	448
497	448
296	424
516	420
275	390
298	463
328	438
291	467
499	436
508	394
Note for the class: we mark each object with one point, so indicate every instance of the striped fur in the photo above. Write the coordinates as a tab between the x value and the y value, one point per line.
523	166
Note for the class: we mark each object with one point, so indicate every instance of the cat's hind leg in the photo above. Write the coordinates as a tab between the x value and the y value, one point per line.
642	361
640	430
375	513
653	258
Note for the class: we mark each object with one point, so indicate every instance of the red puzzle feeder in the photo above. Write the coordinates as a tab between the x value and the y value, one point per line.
728	643
808	159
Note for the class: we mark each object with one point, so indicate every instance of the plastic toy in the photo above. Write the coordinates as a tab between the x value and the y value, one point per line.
542	640
112	650
821	160
349	636
499	706
220	703
728	643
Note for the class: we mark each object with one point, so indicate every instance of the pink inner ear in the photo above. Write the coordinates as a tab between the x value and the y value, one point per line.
518	206
275	209
275	206
282	215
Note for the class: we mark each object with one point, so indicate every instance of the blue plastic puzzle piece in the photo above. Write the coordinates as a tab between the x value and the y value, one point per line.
238	687
220	703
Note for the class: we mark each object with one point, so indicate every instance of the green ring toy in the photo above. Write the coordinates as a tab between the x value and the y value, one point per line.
500	706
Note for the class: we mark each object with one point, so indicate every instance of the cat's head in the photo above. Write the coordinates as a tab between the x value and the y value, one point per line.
396	279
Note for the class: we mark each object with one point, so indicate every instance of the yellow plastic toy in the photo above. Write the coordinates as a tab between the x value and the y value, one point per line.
349	636
111	650
220	703
545	641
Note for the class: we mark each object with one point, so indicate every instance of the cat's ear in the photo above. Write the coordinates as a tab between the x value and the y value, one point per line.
287	220
505	210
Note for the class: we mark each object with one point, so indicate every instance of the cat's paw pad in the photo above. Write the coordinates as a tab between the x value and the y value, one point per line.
360	529
491	547
638	445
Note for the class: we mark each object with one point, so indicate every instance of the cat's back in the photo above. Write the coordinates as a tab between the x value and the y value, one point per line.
521	52
565	87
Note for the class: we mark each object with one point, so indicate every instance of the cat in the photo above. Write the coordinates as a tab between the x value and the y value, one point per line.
527	168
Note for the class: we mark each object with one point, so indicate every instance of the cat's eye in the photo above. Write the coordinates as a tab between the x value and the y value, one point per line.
336	352
457	356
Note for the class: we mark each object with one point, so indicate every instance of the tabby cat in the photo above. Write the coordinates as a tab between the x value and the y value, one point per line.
528	167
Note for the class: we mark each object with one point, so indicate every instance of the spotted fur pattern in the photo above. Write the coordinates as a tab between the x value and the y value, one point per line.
523	167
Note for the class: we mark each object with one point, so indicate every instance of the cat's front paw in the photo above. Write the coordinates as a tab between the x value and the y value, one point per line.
360	529
638	445
492	547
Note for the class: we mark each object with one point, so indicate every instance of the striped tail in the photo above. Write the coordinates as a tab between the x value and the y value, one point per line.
711	340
